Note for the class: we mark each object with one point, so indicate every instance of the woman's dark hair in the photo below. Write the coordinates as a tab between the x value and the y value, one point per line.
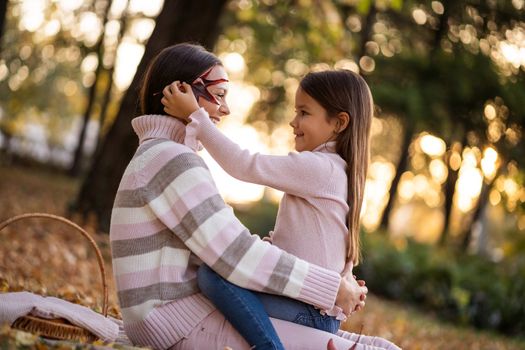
183	62
345	91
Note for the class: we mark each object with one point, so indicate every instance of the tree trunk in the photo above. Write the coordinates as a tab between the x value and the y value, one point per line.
448	190
366	32
402	166
179	21
5	149
480	208
104	106
109	86
482	201
450	183
3	16
76	167
442	28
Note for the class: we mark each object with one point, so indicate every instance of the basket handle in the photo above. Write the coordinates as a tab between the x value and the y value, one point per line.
79	229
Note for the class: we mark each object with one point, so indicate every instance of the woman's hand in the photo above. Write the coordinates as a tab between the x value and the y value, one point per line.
179	101
352	292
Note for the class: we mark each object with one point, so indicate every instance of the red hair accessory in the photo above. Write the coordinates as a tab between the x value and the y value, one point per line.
201	84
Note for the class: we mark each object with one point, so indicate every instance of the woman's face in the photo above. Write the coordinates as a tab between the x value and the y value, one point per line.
219	91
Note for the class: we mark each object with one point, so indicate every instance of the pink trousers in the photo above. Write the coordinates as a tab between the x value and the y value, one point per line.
215	333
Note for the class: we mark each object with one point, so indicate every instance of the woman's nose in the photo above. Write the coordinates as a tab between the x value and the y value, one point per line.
224	109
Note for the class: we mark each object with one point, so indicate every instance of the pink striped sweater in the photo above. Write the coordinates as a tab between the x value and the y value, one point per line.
167	219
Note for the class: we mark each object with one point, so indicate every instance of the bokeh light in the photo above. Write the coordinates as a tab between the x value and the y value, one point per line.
433	146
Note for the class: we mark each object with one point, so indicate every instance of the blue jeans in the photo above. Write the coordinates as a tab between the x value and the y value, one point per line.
249	311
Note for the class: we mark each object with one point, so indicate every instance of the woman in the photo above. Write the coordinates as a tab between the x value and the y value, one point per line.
168	218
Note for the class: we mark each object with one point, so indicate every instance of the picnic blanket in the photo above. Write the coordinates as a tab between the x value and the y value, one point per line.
15	305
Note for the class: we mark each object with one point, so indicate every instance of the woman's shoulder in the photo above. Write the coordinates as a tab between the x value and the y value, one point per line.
164	147
163	161
159	152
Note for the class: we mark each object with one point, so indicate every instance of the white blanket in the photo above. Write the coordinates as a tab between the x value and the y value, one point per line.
15	305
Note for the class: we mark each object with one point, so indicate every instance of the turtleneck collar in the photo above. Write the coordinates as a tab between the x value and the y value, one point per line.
328	147
155	126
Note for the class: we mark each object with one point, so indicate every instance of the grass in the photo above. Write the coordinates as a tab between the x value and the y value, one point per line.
45	258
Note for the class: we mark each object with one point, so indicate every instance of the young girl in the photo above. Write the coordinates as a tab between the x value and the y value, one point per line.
318	218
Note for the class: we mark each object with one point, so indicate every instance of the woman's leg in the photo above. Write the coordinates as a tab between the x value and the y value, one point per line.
241	307
296	337
370	340
215	333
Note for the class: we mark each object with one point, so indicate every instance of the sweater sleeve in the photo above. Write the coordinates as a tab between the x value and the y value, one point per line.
183	196
299	174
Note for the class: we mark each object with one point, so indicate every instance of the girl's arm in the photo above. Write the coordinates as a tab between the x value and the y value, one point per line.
298	174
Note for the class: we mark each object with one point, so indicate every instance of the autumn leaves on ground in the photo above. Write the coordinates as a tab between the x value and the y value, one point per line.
48	258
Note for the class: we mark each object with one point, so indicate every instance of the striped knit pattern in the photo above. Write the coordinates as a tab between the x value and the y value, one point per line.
168	218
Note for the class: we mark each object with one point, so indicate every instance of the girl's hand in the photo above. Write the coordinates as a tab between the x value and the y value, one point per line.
267	239
352	293
179	101
348	271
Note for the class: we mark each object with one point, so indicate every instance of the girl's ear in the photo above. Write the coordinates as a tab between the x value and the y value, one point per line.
343	119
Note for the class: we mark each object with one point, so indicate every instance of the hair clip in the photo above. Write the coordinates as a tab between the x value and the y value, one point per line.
200	87
201	84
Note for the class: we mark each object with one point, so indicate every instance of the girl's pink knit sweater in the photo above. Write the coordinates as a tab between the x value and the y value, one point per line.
311	222
167	219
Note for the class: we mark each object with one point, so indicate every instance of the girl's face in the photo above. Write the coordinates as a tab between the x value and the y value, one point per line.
311	125
219	91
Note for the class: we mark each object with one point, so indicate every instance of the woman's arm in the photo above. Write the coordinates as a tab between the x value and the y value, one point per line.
184	197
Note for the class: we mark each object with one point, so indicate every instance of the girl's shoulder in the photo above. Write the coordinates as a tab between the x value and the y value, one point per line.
321	165
331	158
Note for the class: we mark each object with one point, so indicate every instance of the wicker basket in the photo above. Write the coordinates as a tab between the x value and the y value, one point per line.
60	328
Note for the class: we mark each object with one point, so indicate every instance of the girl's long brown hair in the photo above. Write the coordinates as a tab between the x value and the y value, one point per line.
345	91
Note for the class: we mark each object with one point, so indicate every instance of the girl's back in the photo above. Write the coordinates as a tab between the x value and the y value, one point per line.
312	225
